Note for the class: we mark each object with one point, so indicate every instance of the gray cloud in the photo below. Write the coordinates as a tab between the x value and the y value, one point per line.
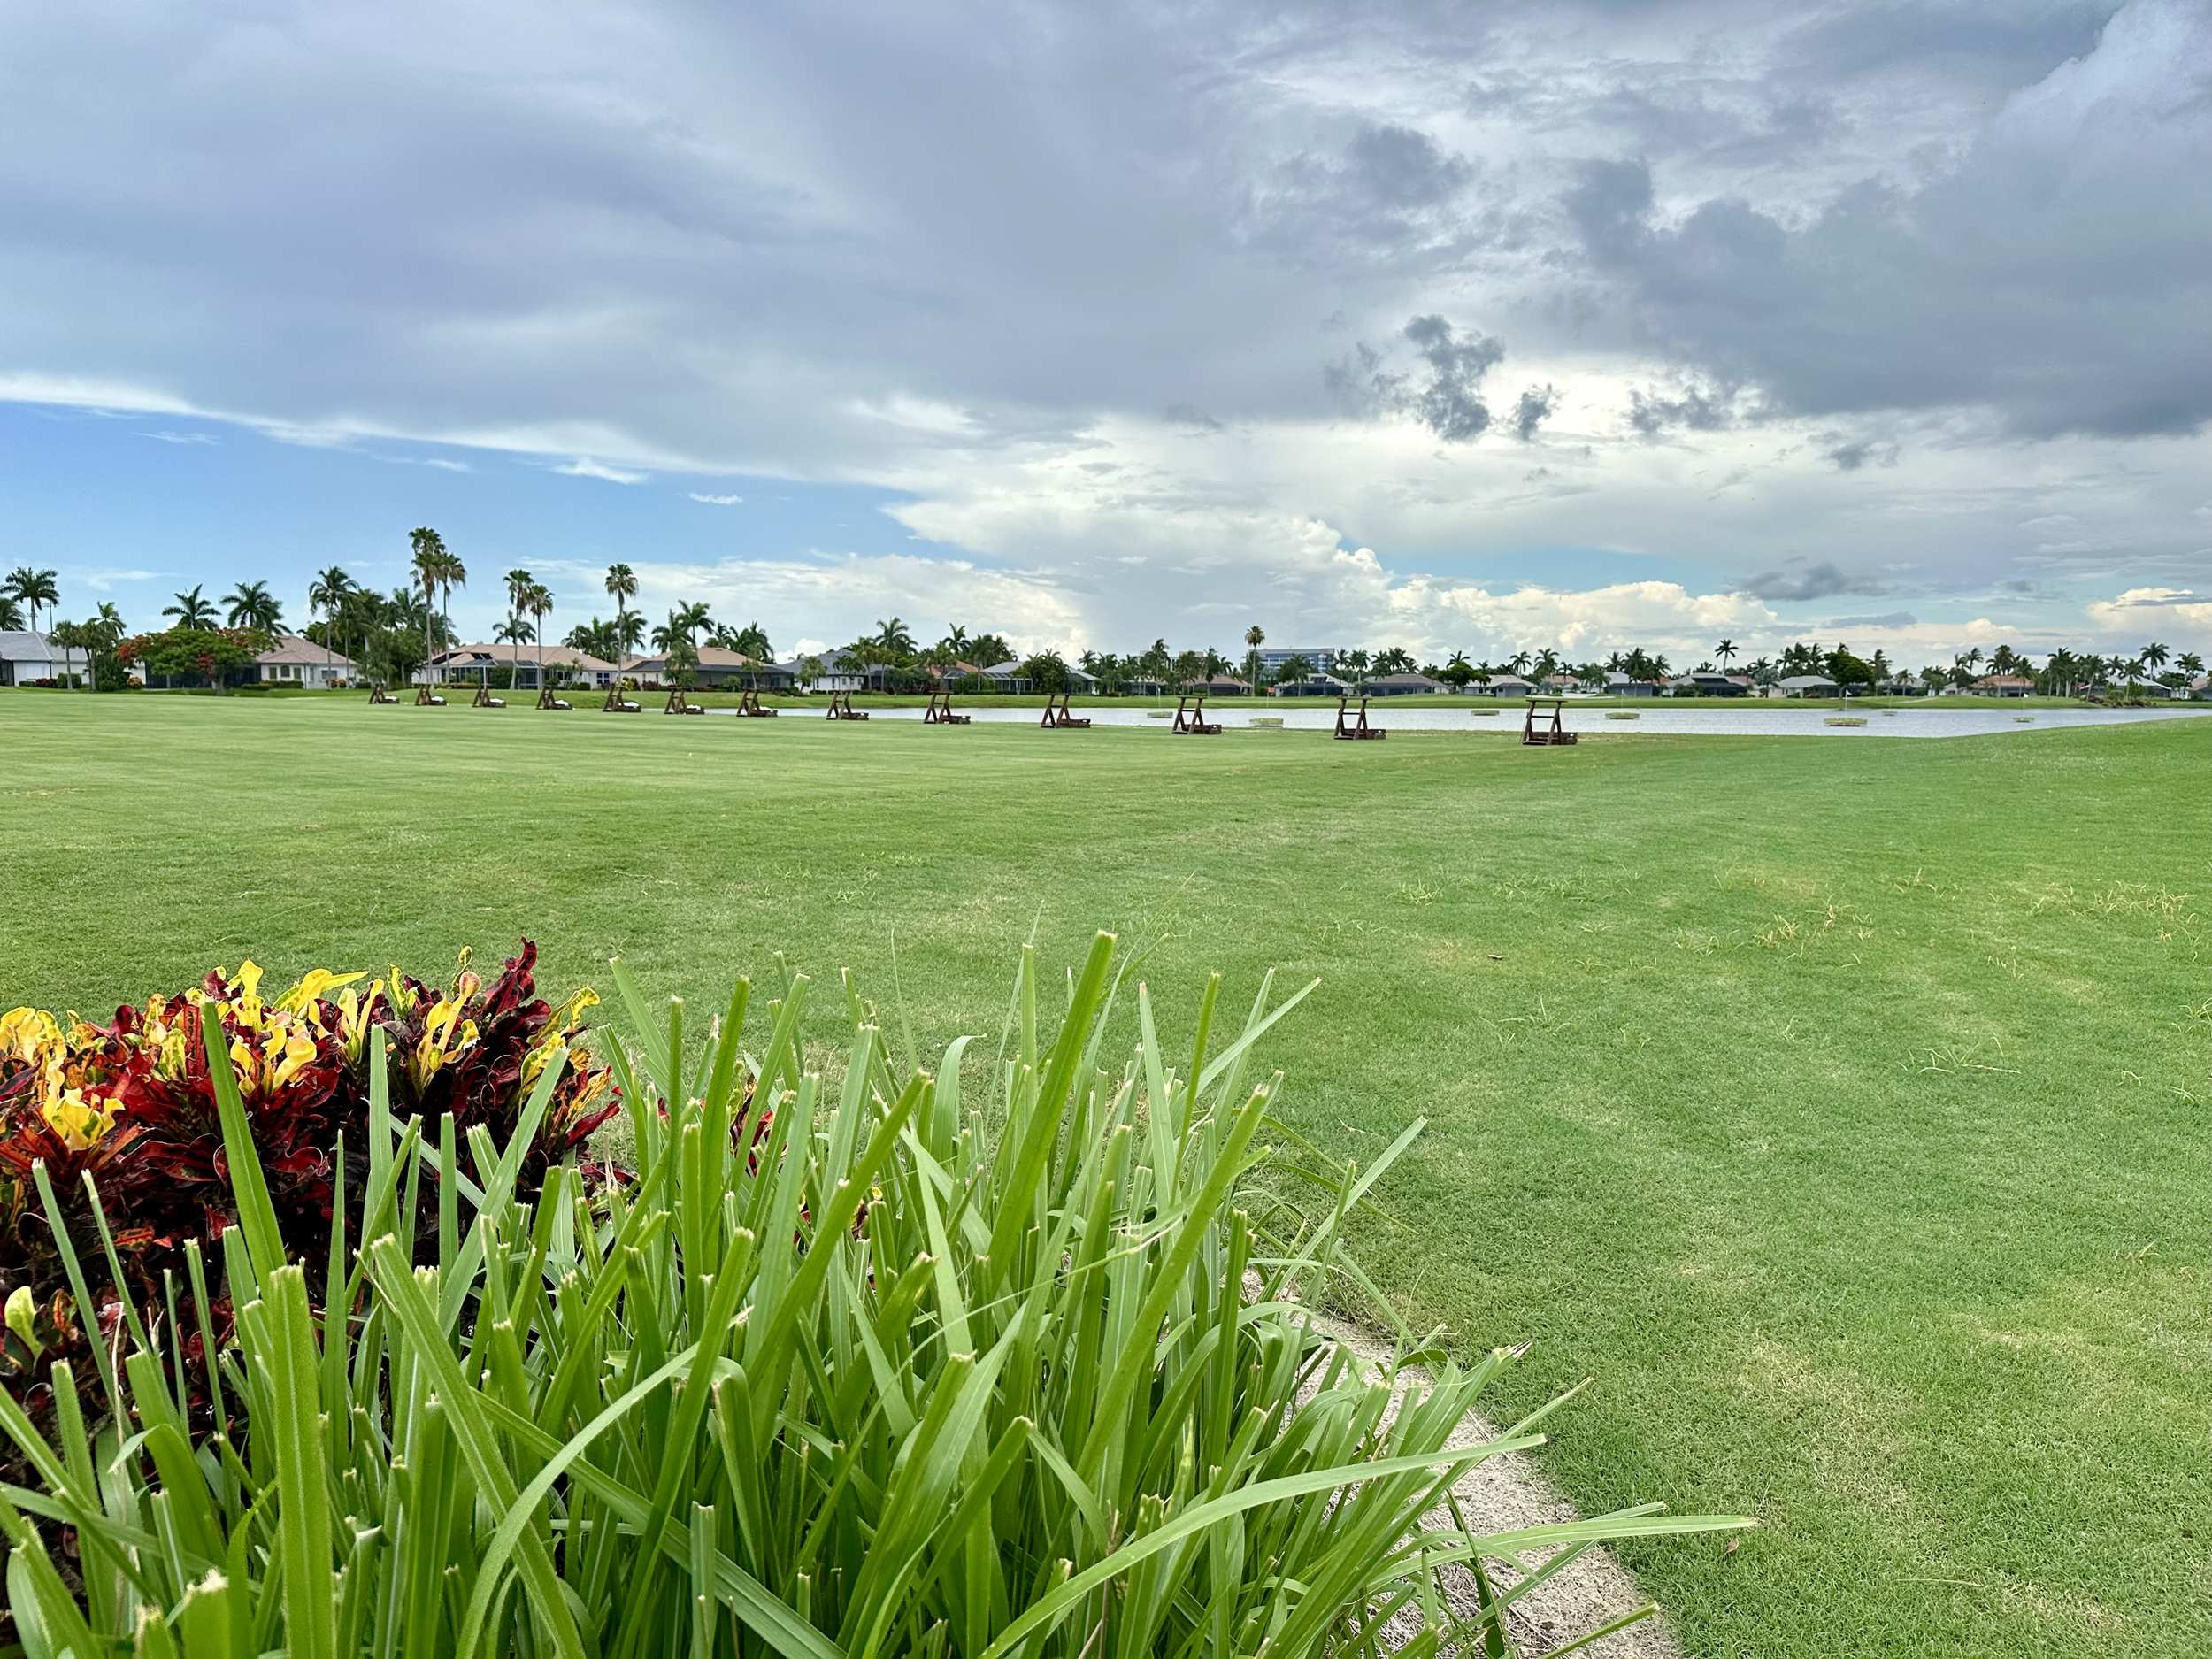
1190	415
1445	395
1809	579
1886	619
1537	405
1848	455
2056	273
1699	408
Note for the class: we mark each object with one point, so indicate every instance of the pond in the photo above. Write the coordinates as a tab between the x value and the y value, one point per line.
1760	720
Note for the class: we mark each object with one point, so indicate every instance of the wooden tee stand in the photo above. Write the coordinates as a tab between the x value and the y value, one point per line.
617	704
1193	722
679	702
1058	717
485	699
377	694
748	706
1536	733
840	707
546	699
939	712
1353	724
426	698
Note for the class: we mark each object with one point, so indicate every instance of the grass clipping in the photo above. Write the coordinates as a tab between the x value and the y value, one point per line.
862	1367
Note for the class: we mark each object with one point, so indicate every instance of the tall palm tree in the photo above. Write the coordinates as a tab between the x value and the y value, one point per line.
519	583
2154	654
327	591
35	589
252	606
10	610
429	564
622	587
895	638
1254	637
1723	652
541	606
451	574
191	610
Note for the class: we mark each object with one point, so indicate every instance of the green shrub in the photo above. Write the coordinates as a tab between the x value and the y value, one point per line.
860	1367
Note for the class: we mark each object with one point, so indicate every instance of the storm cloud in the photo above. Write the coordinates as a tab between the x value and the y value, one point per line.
1925	276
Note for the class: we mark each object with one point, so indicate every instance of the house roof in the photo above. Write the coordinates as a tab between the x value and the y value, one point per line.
1422	681
2004	680
21	645
1494	682
710	657
1224	682
1804	682
293	647
1560	679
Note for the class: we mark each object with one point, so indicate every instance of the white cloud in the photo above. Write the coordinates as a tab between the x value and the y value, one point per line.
716	501
584	467
445	466
207	438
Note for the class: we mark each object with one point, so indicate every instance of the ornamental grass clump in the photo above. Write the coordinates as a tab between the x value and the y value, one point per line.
868	1365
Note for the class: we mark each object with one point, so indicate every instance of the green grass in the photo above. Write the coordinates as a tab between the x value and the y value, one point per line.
1838	1106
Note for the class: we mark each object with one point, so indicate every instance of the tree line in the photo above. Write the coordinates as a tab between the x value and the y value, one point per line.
389	635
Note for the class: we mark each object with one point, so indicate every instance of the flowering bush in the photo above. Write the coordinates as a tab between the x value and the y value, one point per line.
132	1105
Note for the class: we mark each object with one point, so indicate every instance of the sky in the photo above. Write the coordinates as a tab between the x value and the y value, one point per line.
1582	323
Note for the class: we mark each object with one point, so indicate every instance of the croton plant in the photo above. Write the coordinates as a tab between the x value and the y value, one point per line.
132	1104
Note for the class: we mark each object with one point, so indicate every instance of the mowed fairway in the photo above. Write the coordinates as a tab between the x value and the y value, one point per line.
1839	1104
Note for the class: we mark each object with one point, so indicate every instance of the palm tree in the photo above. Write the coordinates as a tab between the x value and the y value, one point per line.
191	610
10	610
2190	663
451	574
325	593
252	606
1724	651
540	606
622	587
518	586
895	638
34	588
1254	637
689	620
752	641
429	565
2154	654
1519	661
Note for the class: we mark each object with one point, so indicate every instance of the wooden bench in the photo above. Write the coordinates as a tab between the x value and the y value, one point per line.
1194	722
1057	716
546	699
748	706
939	712
1353	724
679	702
840	707
426	698
617	704
1538	735
377	694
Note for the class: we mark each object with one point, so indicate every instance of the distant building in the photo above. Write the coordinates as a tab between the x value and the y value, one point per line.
1503	686
28	658
1700	684
1403	684
296	661
1273	657
2004	684
1806	686
1620	684
1314	685
717	665
2201	688
472	665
